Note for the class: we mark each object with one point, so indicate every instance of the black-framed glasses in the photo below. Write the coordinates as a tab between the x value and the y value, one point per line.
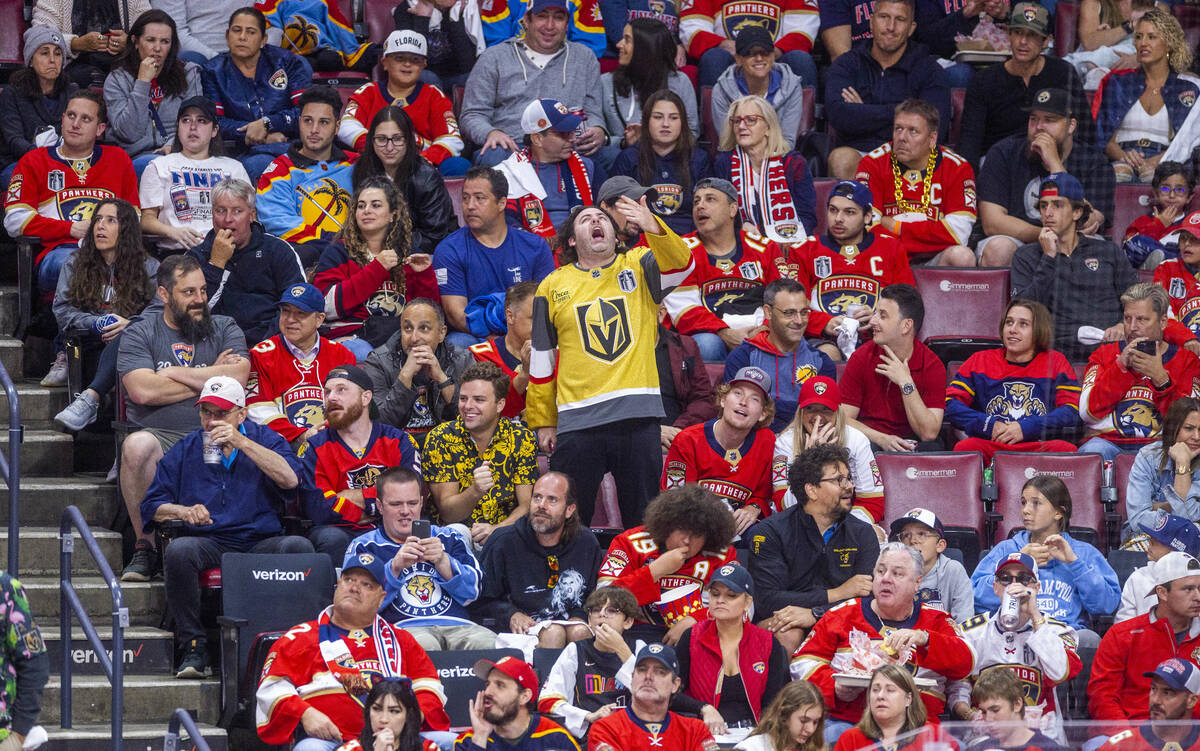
396	140
839	480
1022	579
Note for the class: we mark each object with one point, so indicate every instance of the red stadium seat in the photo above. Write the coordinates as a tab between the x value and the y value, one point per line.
708	129
948	484
958	98
454	186
808	111
456	99
1122	466
607	514
345	82
716	372
1083	475
962	308
1066	27
823	188
1131	202
1189	19
12	28
378	15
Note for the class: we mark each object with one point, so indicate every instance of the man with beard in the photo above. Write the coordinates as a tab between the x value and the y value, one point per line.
647	722
246	268
925	193
535	566
430	581
797	576
511	352
480	467
1174	686
1016	166
318	673
502	713
230	506
845	269
343	461
594	395
781	350
720	303
164	360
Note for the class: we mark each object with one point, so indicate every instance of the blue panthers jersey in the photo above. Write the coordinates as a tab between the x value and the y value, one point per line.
1040	395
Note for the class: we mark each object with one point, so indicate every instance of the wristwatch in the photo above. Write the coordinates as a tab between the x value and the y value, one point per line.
1128	27
908	388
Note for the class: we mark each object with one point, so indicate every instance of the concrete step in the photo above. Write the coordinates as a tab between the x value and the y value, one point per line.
147	699
38	404
11	354
8	309
139	736
147	651
146	601
43	452
44	498
40	551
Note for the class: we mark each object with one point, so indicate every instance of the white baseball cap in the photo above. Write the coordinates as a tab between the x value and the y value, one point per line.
405	40
223	392
1175	565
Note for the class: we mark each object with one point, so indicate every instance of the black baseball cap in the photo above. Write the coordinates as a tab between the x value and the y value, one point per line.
204	104
1054	101
751	38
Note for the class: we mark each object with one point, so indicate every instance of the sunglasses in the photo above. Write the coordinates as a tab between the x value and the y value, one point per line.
1022	579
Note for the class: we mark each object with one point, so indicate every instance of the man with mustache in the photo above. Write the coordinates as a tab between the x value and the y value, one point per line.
343	461
164	361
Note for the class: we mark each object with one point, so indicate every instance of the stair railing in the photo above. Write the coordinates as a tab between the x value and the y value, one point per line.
69	604
181	717
10	469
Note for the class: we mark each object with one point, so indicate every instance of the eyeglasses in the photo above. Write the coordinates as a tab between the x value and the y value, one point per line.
385	140
215	414
552	562
1181	190
792	312
1007	579
750	120
918	536
839	480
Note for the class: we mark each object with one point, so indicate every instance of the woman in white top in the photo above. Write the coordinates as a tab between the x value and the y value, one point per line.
176	189
794	721
818	420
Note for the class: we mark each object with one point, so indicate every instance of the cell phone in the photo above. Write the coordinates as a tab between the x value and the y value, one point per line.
1150	348
421	529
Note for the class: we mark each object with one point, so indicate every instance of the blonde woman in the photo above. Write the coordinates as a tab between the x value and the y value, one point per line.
818	420
795	721
775	188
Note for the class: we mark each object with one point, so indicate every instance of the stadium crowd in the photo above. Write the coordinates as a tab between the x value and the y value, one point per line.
631	314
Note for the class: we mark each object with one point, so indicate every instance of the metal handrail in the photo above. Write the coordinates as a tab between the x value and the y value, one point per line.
10	468
181	717
69	603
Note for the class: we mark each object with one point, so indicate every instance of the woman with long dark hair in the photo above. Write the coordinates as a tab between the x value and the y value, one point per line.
1166	473
392	152
391	720
146	87
33	102
646	57
374	269
102	286
665	158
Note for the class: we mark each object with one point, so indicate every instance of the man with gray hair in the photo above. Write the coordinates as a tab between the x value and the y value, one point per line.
246	269
895	623
1129	384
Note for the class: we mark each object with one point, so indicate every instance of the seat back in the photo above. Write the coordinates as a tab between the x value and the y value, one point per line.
963	308
1131	201
1124	562
456	670
1189	19
608	513
1066	27
945	482
808	111
12	29
958	99
454	186
823	187
1122	466
708	128
1083	475
378	15
543	660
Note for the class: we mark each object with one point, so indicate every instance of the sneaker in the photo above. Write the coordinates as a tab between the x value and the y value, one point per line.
112	475
195	661
78	414
57	375
141	567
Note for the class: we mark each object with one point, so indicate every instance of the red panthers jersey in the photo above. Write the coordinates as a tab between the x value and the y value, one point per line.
623	731
431	111
947	217
741	476
1184	291
672	597
287	394
1144	739
719	288
1123	406
493	351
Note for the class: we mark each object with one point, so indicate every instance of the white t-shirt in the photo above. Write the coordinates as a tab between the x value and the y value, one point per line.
862	467
181	189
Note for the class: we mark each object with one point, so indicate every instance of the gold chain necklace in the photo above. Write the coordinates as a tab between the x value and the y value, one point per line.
907	206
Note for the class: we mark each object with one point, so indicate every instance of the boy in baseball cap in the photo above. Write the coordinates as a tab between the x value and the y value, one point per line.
503	709
945	584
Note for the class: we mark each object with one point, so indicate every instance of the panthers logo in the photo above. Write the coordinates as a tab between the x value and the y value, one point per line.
1017	401
670	198
307	415
604	328
326	207
840	305
301	35
364	476
421	589
385	301
422	595
1138	420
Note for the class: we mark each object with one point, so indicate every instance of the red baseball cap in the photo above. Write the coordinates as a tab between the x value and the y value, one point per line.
1191	224
518	670
820	390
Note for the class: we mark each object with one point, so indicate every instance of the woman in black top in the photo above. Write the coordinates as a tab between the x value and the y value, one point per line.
451	49
35	98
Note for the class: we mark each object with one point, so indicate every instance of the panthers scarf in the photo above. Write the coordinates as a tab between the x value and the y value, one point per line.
526	192
336	653
767	202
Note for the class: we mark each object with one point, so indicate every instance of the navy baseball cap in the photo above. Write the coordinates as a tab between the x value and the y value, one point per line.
1173	531
734	576
755	377
304	296
920	516
660	652
1180	675
1061	184
855	191
537	6
752	37
369	562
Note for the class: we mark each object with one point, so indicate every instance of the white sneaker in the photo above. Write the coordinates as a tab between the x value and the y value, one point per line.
57	375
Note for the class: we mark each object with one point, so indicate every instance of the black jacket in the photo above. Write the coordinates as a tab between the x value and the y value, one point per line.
21	118
517	575
429	204
397	403
792	565
249	287
451	49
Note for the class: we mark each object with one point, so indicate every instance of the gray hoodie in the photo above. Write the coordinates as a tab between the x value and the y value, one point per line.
785	96
620	111
947	586
504	81
128	100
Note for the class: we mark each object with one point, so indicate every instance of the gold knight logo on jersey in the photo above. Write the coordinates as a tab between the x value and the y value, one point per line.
604	330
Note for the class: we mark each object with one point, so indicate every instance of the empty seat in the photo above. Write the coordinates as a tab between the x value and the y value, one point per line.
1122	466
1066	27
454	186
1131	201
948	484
12	28
963	308
378	15
1083	475
709	132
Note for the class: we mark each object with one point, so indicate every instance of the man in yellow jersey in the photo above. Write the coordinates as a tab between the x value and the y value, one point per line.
593	385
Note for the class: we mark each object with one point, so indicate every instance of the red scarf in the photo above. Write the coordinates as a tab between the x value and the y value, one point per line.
336	653
579	193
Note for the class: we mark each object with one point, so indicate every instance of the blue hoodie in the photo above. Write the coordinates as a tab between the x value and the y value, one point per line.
1067	589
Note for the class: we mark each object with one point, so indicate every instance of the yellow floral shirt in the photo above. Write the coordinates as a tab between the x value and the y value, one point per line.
451	456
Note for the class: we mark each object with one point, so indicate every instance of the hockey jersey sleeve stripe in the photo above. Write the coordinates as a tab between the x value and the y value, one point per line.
959	225
17	217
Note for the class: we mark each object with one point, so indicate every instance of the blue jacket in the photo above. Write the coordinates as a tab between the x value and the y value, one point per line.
1067	589
788	372
279	80
1122	88
420	596
1148	484
243	502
